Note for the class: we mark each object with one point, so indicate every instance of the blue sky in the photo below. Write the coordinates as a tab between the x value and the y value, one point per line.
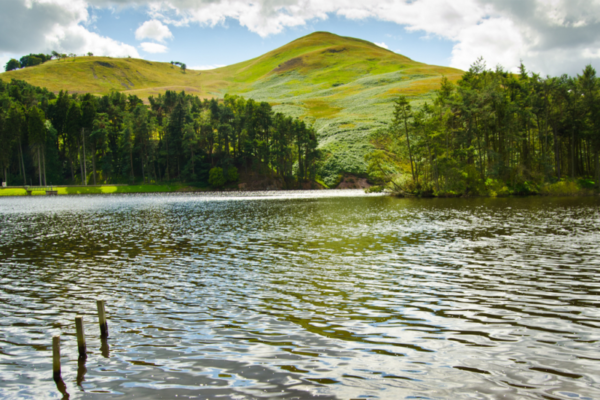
550	36
229	42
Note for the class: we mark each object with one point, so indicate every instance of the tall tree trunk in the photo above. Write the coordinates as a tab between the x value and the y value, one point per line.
143	169
597	167
81	169
154	171
300	168
589	155
39	165
94	162
83	148
44	164
22	163
167	169
481	166
546	141
572	151
556	153
433	165
131	163
412	169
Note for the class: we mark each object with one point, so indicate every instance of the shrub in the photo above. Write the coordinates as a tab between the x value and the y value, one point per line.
494	187
216	178
586	183
374	189
504	191
526	188
561	188
408	187
232	174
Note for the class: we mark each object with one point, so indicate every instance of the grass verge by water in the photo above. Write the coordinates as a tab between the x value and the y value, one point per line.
105	189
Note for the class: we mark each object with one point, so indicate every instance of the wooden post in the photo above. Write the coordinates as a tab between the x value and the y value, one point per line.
102	319
80	336
56	357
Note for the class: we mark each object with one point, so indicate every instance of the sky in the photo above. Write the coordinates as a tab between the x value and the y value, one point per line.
551	37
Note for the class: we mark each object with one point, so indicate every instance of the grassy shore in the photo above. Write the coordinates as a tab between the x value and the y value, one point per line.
496	188
104	189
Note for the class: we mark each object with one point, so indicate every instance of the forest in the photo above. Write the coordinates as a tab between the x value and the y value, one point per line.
50	139
493	133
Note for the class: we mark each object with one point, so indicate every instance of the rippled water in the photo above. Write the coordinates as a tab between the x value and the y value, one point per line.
301	295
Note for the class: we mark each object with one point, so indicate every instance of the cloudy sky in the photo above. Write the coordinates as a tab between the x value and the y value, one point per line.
549	36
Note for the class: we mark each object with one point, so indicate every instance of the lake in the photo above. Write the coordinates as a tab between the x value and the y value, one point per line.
325	294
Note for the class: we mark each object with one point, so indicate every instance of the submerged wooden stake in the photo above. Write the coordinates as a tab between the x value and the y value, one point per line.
80	336
56	357
102	319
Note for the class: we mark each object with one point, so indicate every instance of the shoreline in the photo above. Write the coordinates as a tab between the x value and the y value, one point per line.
62	190
65	190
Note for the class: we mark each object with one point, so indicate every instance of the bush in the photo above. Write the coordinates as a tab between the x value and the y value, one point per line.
586	183
561	188
216	178
526	188
374	189
403	185
232	174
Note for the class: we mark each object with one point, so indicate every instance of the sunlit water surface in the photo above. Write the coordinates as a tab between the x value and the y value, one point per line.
302	294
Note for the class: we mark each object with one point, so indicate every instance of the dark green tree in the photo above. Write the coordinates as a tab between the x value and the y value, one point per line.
36	123
12	64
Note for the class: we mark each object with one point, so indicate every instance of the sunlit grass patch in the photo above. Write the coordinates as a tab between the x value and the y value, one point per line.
321	109
105	189
12	192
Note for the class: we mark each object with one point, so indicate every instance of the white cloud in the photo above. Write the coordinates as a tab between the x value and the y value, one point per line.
382	44
149	47
550	36
153	29
76	39
205	67
45	25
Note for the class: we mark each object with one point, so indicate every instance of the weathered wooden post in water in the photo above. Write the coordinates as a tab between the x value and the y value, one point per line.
102	319
80	336
56	358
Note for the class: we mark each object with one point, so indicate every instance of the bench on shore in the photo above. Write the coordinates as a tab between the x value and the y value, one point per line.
48	189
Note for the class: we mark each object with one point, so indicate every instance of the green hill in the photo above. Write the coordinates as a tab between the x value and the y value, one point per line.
344	86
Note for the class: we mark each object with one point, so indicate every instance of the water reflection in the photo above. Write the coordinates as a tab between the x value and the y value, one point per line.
104	347
302	296
81	371
61	387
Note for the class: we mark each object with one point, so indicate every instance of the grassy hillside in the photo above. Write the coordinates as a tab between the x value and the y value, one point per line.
344	86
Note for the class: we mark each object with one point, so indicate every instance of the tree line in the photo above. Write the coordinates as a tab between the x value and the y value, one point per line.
116	138
32	60
493	131
180	64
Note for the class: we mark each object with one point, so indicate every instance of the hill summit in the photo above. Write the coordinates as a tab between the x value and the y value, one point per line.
342	85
